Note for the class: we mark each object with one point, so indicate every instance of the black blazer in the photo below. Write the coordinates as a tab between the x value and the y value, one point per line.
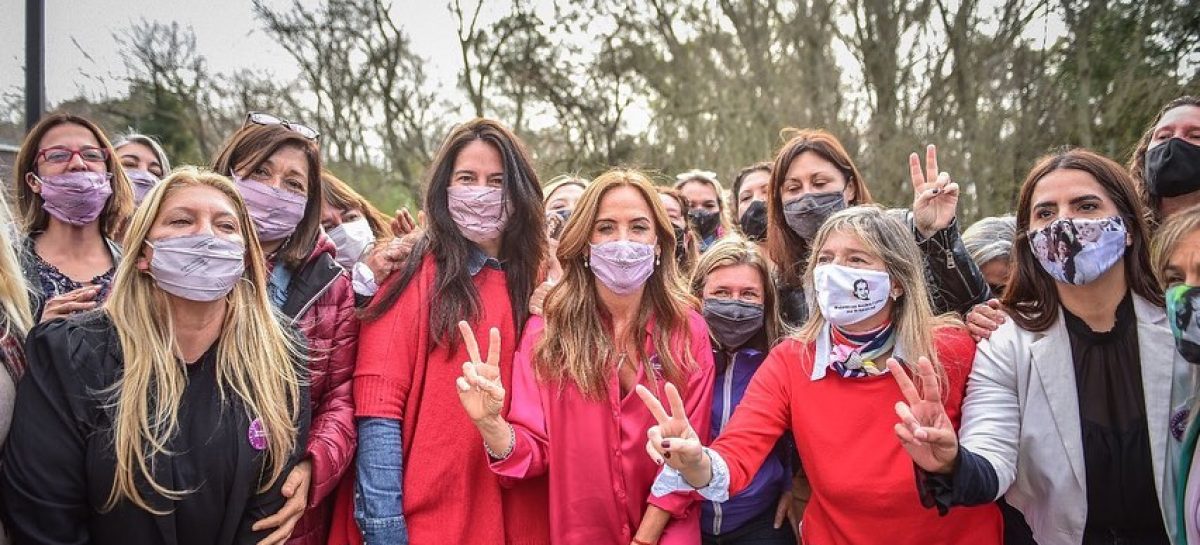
59	462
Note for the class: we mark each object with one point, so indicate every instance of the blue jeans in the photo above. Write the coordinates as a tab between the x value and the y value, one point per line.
378	490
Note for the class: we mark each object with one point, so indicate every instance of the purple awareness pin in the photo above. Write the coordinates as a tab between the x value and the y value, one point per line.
257	435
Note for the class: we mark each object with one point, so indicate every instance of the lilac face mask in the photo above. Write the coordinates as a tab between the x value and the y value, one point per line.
142	181
622	265
479	212
276	212
76	198
197	267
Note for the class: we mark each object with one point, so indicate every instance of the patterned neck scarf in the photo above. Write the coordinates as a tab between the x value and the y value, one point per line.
854	355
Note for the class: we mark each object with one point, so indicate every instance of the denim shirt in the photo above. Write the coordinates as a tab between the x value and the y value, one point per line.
378	489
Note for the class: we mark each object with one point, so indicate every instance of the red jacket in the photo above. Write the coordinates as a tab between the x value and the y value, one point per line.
320	301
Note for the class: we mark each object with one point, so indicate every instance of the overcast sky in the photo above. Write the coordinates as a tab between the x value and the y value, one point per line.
79	40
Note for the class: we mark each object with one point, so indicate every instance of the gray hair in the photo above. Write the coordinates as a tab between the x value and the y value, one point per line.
990	238
137	138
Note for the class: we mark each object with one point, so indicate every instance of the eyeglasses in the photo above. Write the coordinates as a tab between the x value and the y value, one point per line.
62	154
259	118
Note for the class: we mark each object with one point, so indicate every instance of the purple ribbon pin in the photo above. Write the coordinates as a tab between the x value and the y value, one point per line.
257	435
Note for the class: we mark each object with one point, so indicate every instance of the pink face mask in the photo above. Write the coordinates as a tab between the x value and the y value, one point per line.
622	265
197	267
76	198
276	212
479	212
142	181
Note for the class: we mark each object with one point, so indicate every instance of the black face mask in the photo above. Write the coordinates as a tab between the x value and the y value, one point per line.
703	221
733	323
754	221
1173	168
805	215
680	247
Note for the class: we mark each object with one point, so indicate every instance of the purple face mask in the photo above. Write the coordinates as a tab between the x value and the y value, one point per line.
197	267
276	212
479	212
622	265
142	181
76	198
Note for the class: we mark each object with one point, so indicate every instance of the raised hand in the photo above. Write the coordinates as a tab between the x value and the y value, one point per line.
935	196
479	387
673	440
924	429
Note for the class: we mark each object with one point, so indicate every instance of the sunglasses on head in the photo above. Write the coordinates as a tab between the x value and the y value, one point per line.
259	118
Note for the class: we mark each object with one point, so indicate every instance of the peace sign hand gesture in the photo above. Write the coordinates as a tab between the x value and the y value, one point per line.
924	429
673	440
479	387
935	196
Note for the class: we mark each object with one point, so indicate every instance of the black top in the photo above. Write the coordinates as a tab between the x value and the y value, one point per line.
1122	501
59	462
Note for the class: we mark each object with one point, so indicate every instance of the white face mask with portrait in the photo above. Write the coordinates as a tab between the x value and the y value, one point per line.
847	295
352	239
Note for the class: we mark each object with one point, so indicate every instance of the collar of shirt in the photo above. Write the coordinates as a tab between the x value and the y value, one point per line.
822	362
478	260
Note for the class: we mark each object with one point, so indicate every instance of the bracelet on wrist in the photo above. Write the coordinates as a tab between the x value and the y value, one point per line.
512	442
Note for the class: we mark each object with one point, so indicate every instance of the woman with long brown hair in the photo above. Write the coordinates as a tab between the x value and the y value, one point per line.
172	414
276	166
619	318
1069	407
814	176
478	260
72	198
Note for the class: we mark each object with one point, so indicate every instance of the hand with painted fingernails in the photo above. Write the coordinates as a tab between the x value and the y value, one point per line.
673	441
935	195
924	428
479	388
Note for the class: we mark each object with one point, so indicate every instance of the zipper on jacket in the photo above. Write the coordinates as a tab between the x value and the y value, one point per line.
727	389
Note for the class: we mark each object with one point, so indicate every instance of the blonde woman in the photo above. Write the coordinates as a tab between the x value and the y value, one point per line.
619	318
1175	253
169	415
14	324
741	308
828	386
706	212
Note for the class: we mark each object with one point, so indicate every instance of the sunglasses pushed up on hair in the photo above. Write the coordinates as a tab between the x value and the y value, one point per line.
259	118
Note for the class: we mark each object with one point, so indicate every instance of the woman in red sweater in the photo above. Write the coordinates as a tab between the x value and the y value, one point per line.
828	385
478	261
620	317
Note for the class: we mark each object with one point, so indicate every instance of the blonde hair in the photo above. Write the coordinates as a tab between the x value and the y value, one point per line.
255	357
736	250
576	345
561	181
710	179
15	317
912	314
1167	238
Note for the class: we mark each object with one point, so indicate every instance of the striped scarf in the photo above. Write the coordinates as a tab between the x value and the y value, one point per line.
854	355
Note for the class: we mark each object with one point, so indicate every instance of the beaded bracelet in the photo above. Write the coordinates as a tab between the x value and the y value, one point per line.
512	442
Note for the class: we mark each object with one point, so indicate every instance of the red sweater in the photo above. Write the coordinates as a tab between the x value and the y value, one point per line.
450	494
863	486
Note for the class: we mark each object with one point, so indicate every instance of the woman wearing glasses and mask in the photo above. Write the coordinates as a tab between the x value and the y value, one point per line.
72	197
814	177
276	167
171	415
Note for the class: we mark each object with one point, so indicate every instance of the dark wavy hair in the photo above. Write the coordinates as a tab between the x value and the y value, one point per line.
523	243
1031	294
1137	160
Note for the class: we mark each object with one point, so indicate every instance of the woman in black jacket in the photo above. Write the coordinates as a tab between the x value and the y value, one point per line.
169	415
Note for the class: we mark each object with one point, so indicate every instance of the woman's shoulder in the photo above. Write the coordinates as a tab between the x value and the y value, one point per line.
84	345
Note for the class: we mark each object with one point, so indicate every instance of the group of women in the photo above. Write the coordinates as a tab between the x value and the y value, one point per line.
252	352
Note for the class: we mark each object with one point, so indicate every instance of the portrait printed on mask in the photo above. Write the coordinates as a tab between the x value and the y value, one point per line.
1078	251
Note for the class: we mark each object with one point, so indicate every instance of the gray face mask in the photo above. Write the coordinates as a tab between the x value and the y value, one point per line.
197	267
807	214
731	322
